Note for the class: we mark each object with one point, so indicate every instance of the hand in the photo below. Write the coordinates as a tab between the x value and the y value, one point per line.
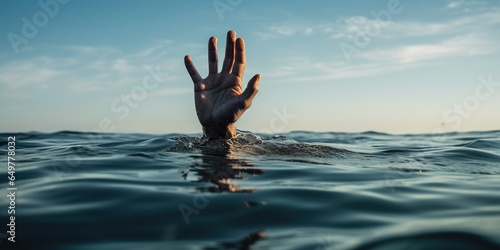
219	98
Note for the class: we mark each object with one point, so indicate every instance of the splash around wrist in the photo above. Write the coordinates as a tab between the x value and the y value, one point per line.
226	131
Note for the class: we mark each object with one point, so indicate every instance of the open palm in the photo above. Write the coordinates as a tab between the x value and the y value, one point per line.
219	98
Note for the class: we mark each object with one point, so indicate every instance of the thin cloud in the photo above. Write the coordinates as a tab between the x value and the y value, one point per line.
286	30
172	91
349	27
81	69
381	61
464	45
329	71
467	6
453	5
34	73
465	36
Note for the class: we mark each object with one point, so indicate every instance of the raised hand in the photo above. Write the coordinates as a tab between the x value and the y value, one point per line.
219	98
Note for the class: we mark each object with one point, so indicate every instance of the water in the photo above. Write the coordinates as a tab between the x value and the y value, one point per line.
300	190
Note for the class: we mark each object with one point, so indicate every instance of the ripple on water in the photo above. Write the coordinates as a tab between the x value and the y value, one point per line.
299	190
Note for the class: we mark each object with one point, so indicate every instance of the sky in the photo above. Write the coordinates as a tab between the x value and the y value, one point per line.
342	66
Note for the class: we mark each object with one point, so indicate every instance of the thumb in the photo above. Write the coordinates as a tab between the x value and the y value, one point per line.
250	91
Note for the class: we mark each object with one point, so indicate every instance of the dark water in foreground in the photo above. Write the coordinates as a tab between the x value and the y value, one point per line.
302	190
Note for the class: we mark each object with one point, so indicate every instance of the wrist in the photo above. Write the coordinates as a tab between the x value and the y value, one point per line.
227	131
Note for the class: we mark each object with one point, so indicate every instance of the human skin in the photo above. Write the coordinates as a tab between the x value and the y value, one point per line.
219	98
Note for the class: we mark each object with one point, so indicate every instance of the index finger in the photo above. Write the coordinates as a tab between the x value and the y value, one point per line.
195	76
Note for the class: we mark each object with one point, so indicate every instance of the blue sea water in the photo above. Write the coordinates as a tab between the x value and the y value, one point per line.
300	190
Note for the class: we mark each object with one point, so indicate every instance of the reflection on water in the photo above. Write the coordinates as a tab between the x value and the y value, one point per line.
243	244
220	165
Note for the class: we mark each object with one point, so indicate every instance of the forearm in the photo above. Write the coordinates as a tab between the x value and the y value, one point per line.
220	132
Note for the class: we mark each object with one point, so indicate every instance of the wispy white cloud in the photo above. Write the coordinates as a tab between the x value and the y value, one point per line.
349	27
86	49
313	71
454	4
286	30
482	21
159	46
467	6
122	65
172	91
379	61
34	73
406	44
80	69
462	45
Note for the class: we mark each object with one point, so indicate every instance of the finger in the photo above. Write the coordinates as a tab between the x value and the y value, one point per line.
229	59
240	60
250	92
195	76
212	55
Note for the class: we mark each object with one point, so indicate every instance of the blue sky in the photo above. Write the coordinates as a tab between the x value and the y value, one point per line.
345	66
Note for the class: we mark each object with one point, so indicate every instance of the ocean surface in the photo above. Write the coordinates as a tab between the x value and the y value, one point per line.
299	190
